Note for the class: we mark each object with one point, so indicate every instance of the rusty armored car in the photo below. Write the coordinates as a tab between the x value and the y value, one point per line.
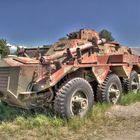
73	75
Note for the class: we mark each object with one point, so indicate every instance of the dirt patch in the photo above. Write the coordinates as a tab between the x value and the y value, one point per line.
130	111
127	124
119	123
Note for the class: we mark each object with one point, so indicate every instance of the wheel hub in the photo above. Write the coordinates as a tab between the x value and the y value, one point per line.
135	85
79	103
114	93
84	103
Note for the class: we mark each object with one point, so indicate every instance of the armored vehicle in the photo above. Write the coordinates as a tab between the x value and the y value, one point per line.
73	75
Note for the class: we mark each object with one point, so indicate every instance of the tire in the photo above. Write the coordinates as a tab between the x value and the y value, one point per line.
75	98
94	86
110	91
131	85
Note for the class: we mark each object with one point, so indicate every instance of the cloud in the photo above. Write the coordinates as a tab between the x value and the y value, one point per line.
13	48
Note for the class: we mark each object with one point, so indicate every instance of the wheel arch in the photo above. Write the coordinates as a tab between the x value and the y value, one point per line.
101	72
136	68
60	74
85	73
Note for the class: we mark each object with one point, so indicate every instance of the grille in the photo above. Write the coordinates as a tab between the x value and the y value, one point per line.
4	73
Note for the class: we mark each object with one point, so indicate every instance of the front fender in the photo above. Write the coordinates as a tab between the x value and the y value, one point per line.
58	75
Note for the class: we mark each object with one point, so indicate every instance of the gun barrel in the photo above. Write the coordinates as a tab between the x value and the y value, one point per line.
57	55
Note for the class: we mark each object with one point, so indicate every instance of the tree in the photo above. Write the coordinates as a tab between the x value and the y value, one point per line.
47	46
4	48
63	38
107	35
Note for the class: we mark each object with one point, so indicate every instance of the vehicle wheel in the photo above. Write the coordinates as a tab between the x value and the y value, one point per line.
75	98
132	84
94	86
110	90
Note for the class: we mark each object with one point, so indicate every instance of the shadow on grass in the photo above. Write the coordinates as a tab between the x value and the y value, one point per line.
27	119
9	113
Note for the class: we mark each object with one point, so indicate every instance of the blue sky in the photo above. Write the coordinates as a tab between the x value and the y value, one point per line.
37	22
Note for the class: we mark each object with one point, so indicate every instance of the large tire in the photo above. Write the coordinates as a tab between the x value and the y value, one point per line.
75	98
131	85
110	91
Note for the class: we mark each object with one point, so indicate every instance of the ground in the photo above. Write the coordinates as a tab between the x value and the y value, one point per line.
116	123
124	124
127	125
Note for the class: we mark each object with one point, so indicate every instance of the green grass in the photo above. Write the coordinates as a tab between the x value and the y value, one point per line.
25	117
27	120
40	125
129	98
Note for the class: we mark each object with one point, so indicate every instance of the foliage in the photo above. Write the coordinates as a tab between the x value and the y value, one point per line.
62	38
130	98
4	47
47	46
107	35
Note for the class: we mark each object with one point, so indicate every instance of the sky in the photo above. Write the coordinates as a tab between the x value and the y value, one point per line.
39	22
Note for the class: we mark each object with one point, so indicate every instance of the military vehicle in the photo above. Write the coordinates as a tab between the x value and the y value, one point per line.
72	76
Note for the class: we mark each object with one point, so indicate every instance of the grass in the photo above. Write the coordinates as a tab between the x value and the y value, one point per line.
130	98
26	119
17	122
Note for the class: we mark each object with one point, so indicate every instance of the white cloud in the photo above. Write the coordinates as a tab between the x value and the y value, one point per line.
13	48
